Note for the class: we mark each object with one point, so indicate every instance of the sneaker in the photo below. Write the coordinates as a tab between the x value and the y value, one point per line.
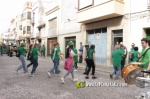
63	80
31	75
17	71
94	77
86	77
49	75
75	80
75	70
111	76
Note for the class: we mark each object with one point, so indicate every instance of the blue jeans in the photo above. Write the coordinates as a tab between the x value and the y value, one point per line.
72	73
35	65
21	58
116	69
55	67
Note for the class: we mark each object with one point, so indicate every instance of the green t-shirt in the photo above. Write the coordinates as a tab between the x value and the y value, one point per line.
132	50
145	59
22	51
43	49
75	58
54	54
117	56
35	53
135	56
91	51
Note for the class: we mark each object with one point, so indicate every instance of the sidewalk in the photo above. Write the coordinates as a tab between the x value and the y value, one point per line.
82	65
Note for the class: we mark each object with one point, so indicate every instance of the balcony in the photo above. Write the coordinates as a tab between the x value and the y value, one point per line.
106	10
52	32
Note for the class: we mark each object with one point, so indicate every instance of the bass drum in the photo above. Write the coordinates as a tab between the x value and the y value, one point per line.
130	72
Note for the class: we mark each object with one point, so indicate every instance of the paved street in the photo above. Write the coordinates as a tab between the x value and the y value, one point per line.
21	86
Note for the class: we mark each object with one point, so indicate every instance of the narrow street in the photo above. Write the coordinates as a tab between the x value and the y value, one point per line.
21	86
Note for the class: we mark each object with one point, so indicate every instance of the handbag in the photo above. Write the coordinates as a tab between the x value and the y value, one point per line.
68	64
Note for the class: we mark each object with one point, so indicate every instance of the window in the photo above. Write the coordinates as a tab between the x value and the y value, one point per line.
28	28
24	30
53	23
28	15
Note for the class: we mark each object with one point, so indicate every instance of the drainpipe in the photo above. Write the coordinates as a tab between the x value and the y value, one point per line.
129	28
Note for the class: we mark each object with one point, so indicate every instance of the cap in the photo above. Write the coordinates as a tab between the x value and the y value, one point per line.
86	44
23	44
71	43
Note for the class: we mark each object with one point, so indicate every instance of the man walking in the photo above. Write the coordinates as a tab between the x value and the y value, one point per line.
116	55
81	51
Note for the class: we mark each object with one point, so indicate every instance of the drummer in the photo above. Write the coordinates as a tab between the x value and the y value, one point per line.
146	58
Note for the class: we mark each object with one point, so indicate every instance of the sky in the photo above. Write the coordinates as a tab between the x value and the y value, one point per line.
9	9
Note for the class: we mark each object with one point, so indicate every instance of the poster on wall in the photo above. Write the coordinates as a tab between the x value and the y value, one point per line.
85	3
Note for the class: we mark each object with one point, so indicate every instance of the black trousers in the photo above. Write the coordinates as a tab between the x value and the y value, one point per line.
35	65
122	63
90	63
75	65
80	59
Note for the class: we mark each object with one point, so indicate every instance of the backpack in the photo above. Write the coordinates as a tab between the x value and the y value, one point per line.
131	57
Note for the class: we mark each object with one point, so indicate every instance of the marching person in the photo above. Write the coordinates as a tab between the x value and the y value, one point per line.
43	50
91	62
145	58
55	58
86	57
30	56
70	54
117	55
35	54
75	58
22	51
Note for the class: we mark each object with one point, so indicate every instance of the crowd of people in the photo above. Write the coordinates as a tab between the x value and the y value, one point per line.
119	56
71	60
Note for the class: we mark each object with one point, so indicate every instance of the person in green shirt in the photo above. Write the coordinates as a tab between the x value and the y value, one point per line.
91	62
135	54
43	50
30	57
22	51
35	52
86	57
131	54
55	58
69	55
75	58
146	58
117	56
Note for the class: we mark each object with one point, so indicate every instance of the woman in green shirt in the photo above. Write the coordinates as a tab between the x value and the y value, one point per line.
22	51
91	62
35	52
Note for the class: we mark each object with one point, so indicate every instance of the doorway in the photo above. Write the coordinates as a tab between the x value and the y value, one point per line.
50	45
117	37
